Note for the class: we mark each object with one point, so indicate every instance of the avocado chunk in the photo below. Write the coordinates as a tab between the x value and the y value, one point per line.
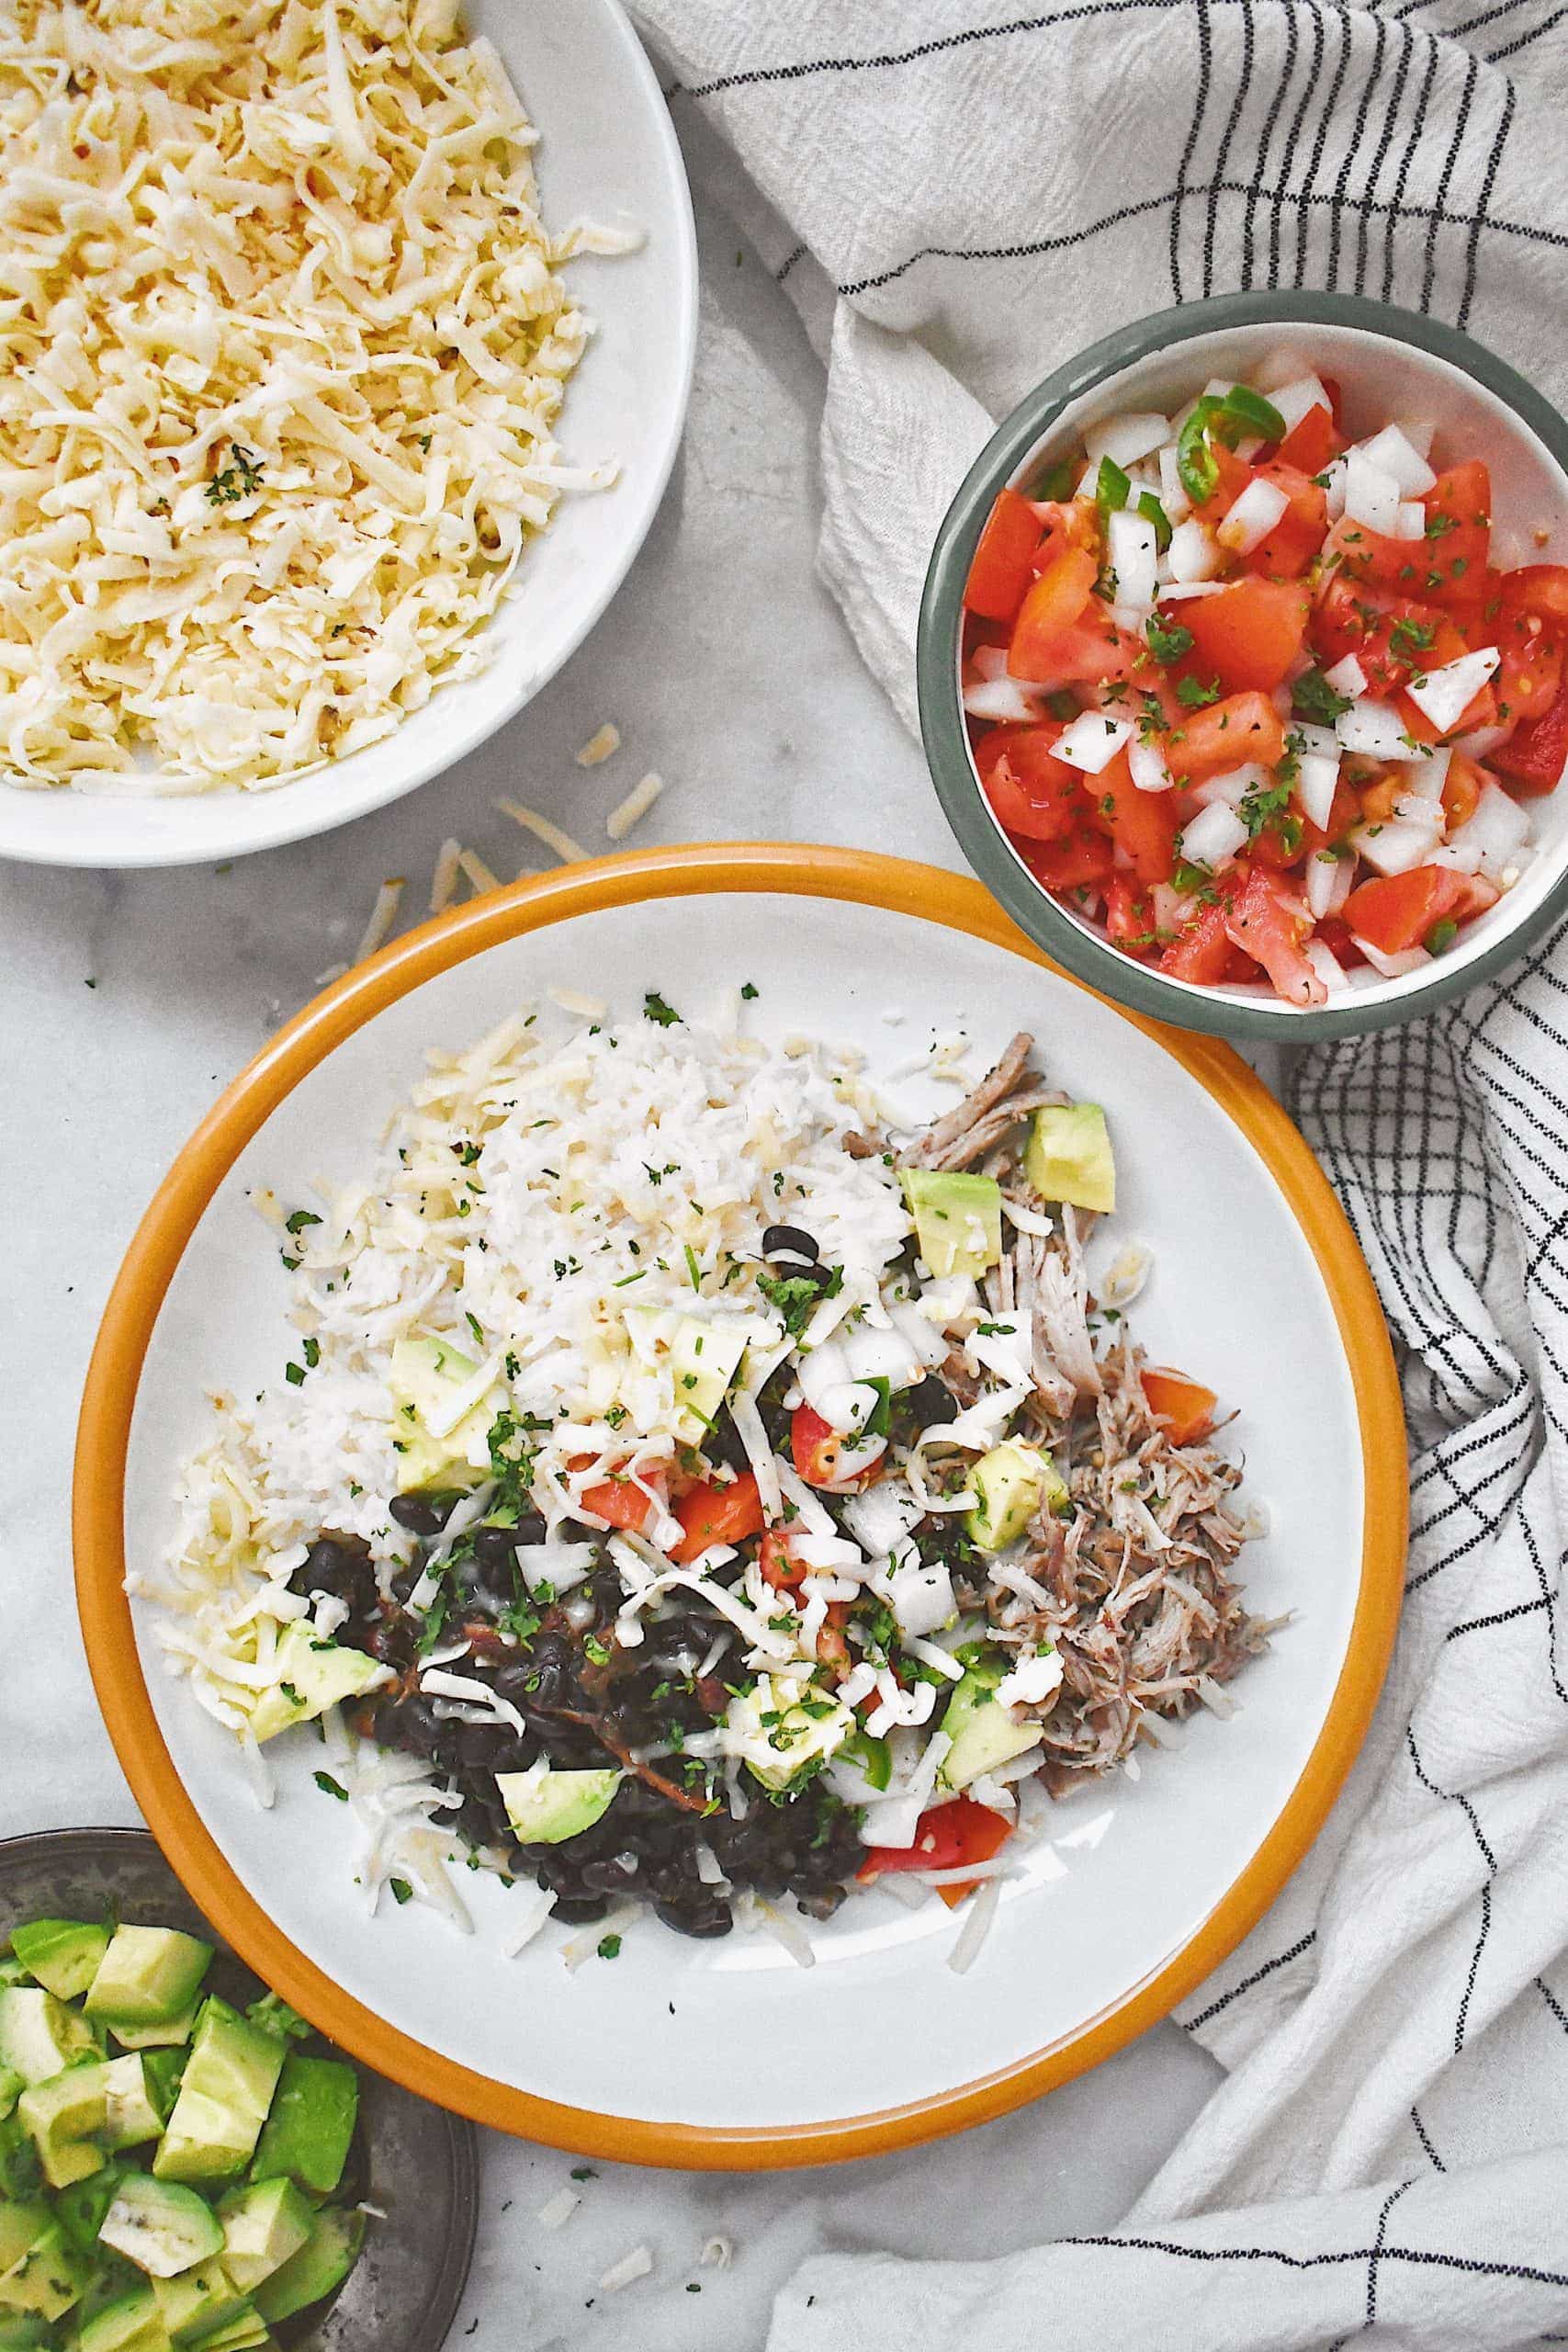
148	1976
1069	1156
11	2088
546	1808
80	2208
264	2223
23	2221
163	2071
426	1376
313	1675
703	1359
61	2114
162	2036
308	2132
132	2322
984	1733
134	2112
39	2034
1012	1480
198	2301
246	2331
47	2280
784	1725
161	2227
63	1954
20	2334
224	2095
322	2265
958	1219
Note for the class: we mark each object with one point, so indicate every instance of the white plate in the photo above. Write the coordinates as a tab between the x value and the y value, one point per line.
1257	1290
606	152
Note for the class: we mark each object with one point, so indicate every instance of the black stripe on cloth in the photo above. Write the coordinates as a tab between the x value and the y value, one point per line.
885	60
1549	1600
1457	1796
1391	115
1390	2201
1422	2135
1352	149
1255	186
1206	66
1417	126
1461	123
1488	16
1243	85
1512	48
1425	2258
787	263
1498	1617
1505	124
1552	2002
1326	114
1281	1960
1450	1796
1292	148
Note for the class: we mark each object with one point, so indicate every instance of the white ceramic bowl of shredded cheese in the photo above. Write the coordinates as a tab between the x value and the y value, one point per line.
606	157
730	2053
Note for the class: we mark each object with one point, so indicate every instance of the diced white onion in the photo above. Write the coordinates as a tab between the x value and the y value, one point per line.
1347	677
1299	398
1425	778
1394	846
1374	729
1371	495
1133	554
1329	881
1482	741
1125	439
1409	520
1393	968
1214	836
1334	481
1317	780
1444	695
1191	554
1233	787
1091	742
1326	965
1004	700
1498	830
1172	492
1253	516
1181	592
1392	452
1150	770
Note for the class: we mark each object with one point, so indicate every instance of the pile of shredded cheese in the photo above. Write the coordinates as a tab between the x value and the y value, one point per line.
283	342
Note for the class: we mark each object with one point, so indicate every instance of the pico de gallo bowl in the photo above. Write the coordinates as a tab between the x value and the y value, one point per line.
1259	689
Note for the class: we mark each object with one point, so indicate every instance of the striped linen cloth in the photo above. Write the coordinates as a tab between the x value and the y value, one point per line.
956	193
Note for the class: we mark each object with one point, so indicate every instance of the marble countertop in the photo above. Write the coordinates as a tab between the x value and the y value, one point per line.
132	999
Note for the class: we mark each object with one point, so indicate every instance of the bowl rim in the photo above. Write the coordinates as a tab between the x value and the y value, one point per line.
269	817
952	904
942	726
449	2280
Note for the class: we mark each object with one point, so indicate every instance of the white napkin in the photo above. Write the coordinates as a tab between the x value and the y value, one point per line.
958	195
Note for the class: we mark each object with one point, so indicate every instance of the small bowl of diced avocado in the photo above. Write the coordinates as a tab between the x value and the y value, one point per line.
185	2165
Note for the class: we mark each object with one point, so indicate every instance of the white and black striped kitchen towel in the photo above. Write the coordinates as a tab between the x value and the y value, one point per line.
958	193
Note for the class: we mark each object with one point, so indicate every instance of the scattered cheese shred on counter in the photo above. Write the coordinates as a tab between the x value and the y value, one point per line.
634	807
483	877
570	853
445	879
559	2211
284	348
383	915
631	2267
600	745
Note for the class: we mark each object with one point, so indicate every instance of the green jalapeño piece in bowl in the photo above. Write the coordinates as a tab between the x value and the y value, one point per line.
1243	664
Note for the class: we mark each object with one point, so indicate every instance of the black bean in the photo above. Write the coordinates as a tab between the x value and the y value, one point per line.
789	1241
422	1514
495	1549
709	1919
928	1401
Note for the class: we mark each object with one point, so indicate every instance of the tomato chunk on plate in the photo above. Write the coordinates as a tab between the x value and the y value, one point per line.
1185	1407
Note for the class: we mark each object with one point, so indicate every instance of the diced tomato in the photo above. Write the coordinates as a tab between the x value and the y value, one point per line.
1201	949
832	1643
1001	571
1054	603
1335	935
1033	792
1353	551
1378	797
1087	652
1186	1407
1083	861
1528	678
1226	735
718	1515
1066	523
1391	637
1234	473
818	1450
1128	919
1536	754
1394	911
1286	551
617	1500
1481	710
1311	442
1270	926
1248	635
1540	589
1462	791
1458	546
946	1838
1142	824
778	1567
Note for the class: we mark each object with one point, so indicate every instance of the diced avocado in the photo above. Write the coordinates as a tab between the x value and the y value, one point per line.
246	2331
263	2224
958	1219
11	1970
23	2221
785	1723
20	2173
132	2322
224	2095
875	1758
162	2036
309	2130
11	2088
703	1359
38	2035
425	1376
20	2332
163	2071
322	2265
160	2226
61	2114
80	2208
1011	1482
149	1976
313	1675
47	2280
63	1954
134	2112
547	1807
1069	1156
273	2014
984	1733
198	2301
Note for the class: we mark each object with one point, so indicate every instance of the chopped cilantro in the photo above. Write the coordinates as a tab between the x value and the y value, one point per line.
1167	640
331	1788
1314	700
655	1009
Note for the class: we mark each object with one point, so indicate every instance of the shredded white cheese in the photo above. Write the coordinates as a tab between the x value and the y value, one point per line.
634	807
570	853
602	745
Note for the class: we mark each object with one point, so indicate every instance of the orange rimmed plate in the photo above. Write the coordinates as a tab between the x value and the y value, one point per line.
727	2054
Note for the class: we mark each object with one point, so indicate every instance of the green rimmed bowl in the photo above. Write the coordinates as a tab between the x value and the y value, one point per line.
1388	363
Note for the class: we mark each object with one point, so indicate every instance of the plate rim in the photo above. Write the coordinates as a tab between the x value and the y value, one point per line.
868	879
